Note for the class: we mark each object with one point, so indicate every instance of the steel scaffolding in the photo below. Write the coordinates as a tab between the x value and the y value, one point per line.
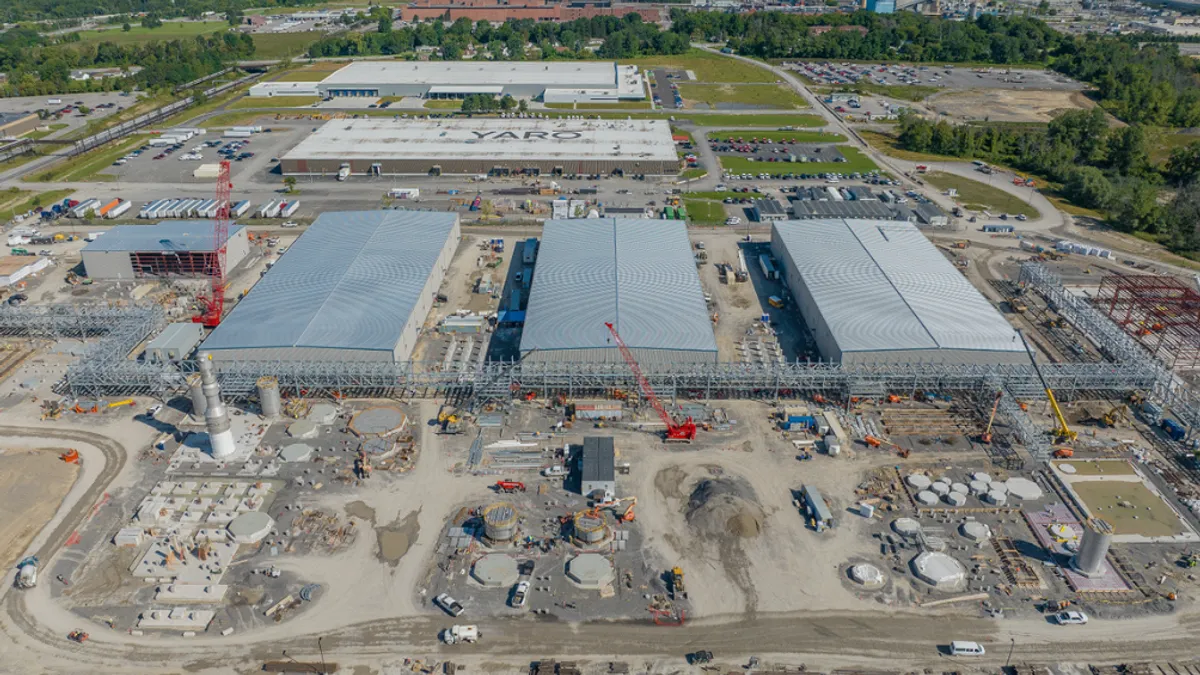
1162	313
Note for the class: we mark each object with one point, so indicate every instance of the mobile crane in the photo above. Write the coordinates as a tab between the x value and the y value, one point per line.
1062	433
676	431
214	304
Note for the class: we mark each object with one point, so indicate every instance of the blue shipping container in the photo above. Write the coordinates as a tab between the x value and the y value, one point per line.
1173	429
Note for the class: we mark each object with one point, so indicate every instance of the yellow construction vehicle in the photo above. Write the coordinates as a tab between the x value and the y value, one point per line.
1062	433
986	436
678	591
118	404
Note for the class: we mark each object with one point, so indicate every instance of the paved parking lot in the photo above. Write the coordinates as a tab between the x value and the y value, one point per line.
73	120
945	76
663	87
177	166
779	152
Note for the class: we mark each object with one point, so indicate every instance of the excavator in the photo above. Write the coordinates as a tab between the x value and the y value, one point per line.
1062	433
625	515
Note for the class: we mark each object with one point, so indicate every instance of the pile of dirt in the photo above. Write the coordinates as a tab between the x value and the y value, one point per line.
725	507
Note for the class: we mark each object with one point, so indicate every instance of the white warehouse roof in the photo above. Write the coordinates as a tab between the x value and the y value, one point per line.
377	139
350	282
551	74
881	286
638	274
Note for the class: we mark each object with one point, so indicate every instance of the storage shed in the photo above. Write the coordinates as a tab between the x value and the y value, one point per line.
356	286
597	466
639	275
175	343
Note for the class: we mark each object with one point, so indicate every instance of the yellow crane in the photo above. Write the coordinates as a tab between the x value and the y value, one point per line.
1062	433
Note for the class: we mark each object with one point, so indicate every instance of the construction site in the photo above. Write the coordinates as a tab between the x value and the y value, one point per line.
389	419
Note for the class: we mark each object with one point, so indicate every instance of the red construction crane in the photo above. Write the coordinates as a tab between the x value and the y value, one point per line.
675	431
214	304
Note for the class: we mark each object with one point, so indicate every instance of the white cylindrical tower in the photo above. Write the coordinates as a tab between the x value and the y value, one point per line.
216	419
1093	548
268	397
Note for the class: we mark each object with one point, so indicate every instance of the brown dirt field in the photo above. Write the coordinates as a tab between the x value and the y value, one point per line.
32	485
1005	105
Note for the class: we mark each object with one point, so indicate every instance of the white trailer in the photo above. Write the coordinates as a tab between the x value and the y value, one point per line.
289	209
239	209
161	208
205	208
118	210
84	206
249	130
404	193
834	193
230	133
147	208
343	172
456	634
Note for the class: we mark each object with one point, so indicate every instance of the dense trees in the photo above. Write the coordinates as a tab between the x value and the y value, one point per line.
12	11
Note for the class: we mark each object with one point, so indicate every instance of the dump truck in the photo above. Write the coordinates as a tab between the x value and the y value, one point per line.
456	634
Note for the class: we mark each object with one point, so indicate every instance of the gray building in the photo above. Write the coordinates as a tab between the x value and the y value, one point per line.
170	249
356	286
638	274
865	209
768	210
877	292
597	467
175	343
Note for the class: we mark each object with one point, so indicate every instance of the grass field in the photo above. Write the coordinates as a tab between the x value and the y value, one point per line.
1096	467
888	145
1161	147
170	30
902	92
855	161
443	105
273	102
980	196
283	45
765	95
21	201
704	212
312	73
90	165
798	136
693	174
725	120
708	67
1146	514
35	135
18	161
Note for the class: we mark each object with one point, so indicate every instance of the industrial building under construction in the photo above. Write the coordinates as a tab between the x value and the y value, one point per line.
637	274
355	287
170	249
497	147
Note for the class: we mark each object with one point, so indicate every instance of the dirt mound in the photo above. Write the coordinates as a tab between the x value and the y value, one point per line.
725	507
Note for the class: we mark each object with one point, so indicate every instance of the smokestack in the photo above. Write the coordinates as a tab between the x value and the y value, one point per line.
216	419
1093	548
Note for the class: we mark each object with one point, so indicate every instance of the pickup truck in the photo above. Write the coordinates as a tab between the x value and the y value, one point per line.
449	604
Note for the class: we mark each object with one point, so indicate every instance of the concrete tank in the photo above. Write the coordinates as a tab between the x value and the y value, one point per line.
590	529
268	397
196	393
1093	548
500	522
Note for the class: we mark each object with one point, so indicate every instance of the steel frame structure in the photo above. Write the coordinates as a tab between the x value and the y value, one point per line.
106	369
1162	313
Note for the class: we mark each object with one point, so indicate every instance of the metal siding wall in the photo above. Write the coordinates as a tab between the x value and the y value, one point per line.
809	311
108	264
236	249
421	167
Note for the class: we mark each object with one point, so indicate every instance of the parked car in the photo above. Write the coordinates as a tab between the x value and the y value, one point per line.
449	604
1071	618
966	648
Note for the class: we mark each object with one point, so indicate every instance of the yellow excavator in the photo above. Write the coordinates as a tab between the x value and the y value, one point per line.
1062	433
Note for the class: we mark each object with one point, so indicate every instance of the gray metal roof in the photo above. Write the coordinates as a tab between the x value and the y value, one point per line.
638	274
769	207
598	461
181	336
170	235
350	282
869	209
881	285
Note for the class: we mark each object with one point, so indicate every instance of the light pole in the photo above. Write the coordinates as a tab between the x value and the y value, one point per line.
309	666
1011	645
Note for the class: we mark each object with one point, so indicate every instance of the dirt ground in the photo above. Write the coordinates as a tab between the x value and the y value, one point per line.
998	105
1131	508
32	485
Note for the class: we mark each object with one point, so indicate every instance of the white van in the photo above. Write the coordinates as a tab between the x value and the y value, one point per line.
964	648
556	470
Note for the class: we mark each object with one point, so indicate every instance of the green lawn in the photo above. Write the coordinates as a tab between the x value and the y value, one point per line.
797	136
708	67
855	161
1161	147
888	145
443	105
692	174
704	212
980	196
35	135
170	30
721	120
20	201
273	102
283	45
89	166
18	161
764	95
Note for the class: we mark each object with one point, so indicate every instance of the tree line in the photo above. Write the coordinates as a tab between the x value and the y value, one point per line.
1098	166
623	37
15	11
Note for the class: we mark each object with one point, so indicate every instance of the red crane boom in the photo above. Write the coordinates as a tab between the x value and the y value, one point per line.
214	304
675	431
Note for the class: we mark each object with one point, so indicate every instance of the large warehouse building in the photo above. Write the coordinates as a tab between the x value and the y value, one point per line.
356	286
485	146
639	275
550	81
875	291
175	248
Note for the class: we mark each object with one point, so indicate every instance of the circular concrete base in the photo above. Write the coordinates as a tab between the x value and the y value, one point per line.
940	571
302	429
495	570
250	528
322	413
590	570
296	452
867	575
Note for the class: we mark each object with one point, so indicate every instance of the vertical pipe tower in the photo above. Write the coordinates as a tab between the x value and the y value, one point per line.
216	418
1093	547
268	397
